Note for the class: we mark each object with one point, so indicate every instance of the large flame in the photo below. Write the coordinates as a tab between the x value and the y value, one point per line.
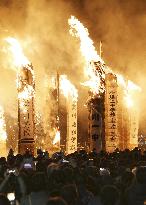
94	69
87	47
67	87
57	136
25	91
3	134
19	57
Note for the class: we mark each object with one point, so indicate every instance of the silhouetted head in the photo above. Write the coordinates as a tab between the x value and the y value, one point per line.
69	193
38	182
4	200
109	195
56	201
141	175
127	178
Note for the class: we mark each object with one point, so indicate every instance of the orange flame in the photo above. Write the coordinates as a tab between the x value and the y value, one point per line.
129	88
57	136
21	61
95	69
87	47
19	58
26	94
67	87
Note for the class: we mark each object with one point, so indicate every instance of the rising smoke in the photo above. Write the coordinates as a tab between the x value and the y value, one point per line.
41	27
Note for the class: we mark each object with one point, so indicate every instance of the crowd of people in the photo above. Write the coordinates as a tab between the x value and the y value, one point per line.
81	178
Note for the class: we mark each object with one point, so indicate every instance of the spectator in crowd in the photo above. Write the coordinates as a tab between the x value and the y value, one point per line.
136	194
110	195
81	178
4	200
38	194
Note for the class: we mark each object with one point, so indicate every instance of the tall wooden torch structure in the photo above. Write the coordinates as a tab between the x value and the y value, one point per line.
71	141
26	87
71	94
96	111
26	90
96	123
112	138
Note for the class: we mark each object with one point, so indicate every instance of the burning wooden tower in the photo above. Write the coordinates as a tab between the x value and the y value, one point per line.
71	143
96	124
121	113
71	95
121	123
26	89
26	92
111	118
128	113
95	72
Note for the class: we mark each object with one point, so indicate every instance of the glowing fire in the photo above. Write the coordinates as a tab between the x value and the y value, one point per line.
87	47
19	57
20	60
26	94
133	87
25	91
3	134
57	136
67	87
95	68
129	88
129	101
